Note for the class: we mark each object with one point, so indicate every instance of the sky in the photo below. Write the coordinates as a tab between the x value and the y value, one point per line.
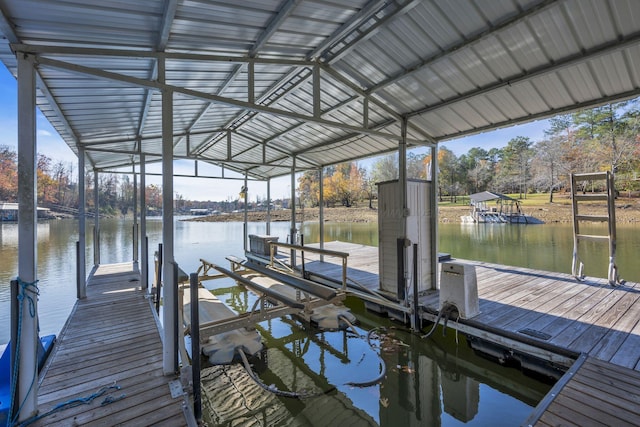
51	144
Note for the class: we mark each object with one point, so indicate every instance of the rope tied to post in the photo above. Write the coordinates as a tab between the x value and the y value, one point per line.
27	291
28	288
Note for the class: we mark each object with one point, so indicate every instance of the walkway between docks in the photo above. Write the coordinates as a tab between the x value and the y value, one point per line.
110	353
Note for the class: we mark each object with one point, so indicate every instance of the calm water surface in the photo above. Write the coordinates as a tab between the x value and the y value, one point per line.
428	382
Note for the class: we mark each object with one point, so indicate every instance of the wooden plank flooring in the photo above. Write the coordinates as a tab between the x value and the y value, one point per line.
110	339
597	394
591	316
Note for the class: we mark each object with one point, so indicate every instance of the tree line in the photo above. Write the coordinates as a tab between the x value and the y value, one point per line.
599	139
605	138
58	186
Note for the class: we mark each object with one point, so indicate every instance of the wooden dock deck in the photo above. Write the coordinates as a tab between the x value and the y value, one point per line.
547	313
592	393
110	339
552	311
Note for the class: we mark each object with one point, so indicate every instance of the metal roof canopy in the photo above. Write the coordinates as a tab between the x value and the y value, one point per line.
259	82
486	196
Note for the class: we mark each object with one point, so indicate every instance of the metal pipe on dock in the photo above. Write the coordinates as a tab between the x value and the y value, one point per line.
158	263
14	339
174	314
195	346
415	324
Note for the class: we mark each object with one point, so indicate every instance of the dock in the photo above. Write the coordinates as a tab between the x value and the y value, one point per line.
588	331
591	393
529	309
110	354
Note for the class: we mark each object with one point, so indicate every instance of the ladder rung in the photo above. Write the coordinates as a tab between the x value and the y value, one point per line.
595	218
589	176
592	237
590	197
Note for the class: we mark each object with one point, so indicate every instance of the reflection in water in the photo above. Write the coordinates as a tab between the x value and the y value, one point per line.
9	233
427	382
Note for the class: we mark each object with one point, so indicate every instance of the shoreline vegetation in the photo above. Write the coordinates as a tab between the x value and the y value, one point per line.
627	211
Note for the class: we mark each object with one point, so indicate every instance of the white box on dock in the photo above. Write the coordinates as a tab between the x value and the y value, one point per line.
458	286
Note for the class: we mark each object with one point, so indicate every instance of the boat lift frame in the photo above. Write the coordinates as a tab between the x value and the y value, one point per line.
270	303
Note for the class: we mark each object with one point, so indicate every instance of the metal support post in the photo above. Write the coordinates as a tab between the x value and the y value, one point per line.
321	209
96	218
433	218
159	264
402	182
170	351
268	230
135	216
27	237
415	319
245	196
82	227
293	211
143	225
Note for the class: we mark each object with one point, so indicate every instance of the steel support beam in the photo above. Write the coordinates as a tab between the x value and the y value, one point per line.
132	53
134	81
27	239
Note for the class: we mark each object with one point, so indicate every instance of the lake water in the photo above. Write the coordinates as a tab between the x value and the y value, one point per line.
428	382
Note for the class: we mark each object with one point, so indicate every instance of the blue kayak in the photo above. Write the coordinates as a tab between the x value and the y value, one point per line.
46	345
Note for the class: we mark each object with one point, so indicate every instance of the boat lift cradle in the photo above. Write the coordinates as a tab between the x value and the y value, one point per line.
273	301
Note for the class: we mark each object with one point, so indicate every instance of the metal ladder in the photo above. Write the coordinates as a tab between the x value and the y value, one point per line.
577	267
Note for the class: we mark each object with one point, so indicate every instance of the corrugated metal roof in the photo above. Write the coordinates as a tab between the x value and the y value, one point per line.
452	68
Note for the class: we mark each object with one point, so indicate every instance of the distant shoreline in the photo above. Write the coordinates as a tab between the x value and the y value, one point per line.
627	211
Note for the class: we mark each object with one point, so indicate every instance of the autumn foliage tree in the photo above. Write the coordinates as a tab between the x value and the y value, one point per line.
343	184
8	174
